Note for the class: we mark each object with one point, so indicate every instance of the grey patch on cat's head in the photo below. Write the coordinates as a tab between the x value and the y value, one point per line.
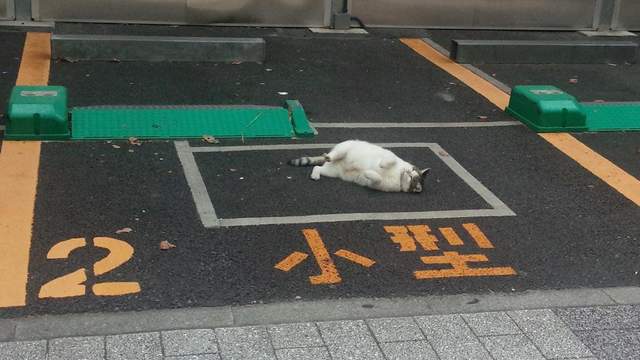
416	179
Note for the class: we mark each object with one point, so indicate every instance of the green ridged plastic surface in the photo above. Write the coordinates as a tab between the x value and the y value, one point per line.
546	108
612	116
149	122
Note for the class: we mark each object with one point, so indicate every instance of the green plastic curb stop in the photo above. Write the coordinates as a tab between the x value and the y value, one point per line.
40	113
37	113
547	108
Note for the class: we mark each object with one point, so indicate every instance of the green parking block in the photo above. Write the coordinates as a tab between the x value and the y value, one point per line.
37	113
40	113
549	109
546	109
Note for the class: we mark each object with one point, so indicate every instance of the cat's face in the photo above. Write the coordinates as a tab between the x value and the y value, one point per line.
413	180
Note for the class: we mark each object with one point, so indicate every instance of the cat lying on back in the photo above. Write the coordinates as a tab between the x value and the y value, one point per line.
368	165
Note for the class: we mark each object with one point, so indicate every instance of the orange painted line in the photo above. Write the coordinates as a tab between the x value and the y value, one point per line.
620	180
36	59
449	273
601	167
291	261
460	267
401	237
478	236
451	236
358	259
19	162
62	249
68	285
116	288
477	83
328	271
423	236
119	253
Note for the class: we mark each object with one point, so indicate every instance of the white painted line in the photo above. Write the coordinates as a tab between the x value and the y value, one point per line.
473	183
210	220
358	31
408	215
196	184
419	124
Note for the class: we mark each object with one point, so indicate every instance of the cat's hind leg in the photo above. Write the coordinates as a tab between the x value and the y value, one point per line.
328	170
368	178
339	152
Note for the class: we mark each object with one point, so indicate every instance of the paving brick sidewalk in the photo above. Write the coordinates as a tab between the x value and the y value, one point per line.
599	332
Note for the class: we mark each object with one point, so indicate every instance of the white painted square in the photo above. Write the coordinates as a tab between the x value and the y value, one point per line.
209	218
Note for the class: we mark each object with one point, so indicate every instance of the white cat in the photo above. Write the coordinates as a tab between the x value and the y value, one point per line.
368	165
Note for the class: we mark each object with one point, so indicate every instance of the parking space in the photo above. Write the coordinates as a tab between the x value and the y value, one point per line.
587	82
9	62
332	78
503	210
273	193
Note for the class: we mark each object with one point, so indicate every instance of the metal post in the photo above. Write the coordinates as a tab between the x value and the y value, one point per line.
23	10
605	17
340	16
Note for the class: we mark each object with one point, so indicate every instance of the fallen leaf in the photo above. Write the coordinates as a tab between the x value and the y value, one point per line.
210	139
236	62
124	230
134	141
573	81
115	146
482	117
165	245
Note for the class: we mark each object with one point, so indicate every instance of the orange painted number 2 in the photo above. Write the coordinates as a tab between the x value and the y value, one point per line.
72	284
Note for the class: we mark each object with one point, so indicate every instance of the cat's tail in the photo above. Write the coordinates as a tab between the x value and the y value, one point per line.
310	160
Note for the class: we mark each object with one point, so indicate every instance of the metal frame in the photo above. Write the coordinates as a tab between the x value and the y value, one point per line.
11	12
606	17
35	9
595	21
615	25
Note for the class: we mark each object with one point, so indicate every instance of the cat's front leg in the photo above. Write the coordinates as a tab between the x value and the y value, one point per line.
315	173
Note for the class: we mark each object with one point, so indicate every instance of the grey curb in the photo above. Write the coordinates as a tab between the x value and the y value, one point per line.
93	324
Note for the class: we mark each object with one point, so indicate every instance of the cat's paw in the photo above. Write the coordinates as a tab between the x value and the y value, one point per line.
315	173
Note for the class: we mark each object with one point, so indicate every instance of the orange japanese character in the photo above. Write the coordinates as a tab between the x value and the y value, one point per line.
328	271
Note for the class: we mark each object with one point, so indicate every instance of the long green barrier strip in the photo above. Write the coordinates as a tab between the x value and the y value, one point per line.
548	109
612	116
155	122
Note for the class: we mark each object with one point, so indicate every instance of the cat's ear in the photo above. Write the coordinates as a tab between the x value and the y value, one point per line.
424	172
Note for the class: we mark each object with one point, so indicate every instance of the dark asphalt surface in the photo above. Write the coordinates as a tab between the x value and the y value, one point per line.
274	189
570	230
592	82
333	78
11	51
